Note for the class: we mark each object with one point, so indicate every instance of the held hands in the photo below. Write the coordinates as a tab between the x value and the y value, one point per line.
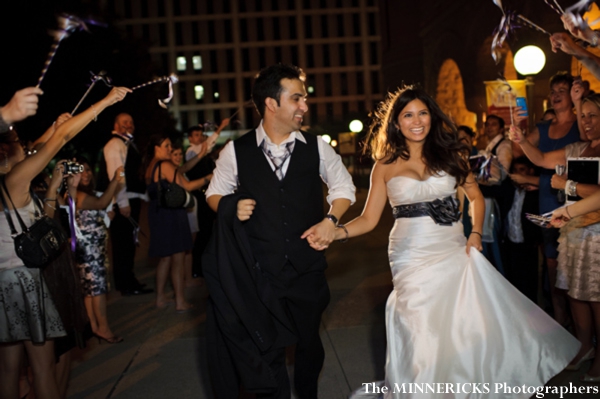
23	103
519	179
245	208
320	235
558	182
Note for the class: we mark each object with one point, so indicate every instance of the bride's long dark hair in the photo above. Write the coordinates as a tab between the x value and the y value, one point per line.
442	149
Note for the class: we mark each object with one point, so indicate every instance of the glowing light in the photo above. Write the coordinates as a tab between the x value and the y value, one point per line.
529	60
333	143
199	92
356	126
181	63
326	138
197	62
310	89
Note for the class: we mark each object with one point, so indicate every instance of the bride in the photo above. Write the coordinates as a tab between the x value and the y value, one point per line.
455	327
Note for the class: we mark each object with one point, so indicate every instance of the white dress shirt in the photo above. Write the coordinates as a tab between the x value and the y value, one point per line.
331	168
115	155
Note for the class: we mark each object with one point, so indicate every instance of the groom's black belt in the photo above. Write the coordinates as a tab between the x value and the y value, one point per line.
443	211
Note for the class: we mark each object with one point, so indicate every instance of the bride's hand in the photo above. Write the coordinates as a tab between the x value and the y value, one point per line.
475	242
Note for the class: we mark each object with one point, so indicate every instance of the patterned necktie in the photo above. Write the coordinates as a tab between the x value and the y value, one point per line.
279	160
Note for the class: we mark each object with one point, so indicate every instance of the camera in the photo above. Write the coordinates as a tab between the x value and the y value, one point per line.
71	168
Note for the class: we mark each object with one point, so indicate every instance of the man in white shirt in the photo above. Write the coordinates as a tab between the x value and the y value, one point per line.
282	170
121	151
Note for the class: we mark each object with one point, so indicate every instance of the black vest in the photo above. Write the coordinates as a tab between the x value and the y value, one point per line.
133	172
284	209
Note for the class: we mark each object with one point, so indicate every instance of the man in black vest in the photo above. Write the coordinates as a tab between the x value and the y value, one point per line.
121	151
282	169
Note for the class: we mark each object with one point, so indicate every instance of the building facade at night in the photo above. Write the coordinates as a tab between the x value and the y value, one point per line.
217	47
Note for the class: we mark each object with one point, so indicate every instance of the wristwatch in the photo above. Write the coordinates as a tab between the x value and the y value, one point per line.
332	218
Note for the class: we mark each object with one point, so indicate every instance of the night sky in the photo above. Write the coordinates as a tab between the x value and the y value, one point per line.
26	42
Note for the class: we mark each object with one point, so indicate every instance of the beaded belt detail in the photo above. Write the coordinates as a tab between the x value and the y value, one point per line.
443	211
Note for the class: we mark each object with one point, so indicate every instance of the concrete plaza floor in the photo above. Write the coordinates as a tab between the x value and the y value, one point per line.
163	355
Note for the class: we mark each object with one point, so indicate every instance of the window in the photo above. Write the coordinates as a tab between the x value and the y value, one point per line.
262	57
245	59
276	31
360	83
357	54
247	89
293	30
295	60
244	30
340	25
178	34
195	33
356	24
344	83
197	62
375	82
214	68
308	27
231	86
374	53
199	92
310	56
215	90
342	54
328	85
278	55
324	26
260	29
181	63
211	32
162	34
372	21
230	60
326	56
228	31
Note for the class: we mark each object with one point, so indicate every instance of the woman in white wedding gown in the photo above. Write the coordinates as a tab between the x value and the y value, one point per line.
451	318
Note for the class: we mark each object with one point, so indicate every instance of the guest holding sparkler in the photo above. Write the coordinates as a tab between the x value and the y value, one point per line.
578	269
22	328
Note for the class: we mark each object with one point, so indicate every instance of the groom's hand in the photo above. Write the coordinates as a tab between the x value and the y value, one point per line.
320	235
245	208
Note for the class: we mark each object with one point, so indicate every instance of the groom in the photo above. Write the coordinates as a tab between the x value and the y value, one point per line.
280	169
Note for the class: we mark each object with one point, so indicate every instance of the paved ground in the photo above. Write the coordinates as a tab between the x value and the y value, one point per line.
163	355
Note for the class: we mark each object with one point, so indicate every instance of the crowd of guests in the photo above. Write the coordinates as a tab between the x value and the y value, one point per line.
47	311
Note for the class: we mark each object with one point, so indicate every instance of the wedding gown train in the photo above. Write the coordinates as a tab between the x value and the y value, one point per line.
452	318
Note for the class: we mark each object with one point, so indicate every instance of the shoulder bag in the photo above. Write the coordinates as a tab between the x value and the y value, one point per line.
172	195
40	243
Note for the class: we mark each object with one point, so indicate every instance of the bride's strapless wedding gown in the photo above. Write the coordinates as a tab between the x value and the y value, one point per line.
452	318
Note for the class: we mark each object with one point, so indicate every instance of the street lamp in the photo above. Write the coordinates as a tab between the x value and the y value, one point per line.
529	61
356	126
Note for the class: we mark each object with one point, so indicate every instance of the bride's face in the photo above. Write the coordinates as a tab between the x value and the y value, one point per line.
414	121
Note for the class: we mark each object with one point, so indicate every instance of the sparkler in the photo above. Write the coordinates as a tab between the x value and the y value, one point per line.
67	25
171	79
95	78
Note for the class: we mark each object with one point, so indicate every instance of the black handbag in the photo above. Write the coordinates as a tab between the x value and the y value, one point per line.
172	195
40	243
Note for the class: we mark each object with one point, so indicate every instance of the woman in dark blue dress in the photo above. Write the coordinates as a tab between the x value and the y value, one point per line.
170	234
